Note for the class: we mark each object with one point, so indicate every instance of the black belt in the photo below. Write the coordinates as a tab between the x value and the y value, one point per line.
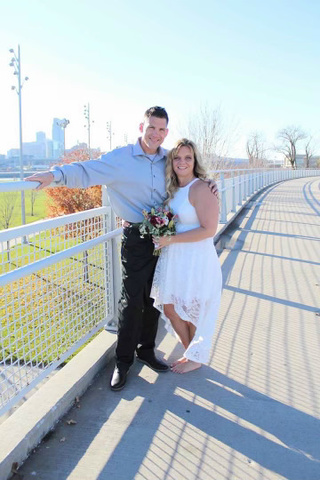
134	225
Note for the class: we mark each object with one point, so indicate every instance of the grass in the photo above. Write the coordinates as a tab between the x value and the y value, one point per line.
40	207
43	314
39	247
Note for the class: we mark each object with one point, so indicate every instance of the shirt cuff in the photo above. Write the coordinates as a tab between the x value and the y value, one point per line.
57	175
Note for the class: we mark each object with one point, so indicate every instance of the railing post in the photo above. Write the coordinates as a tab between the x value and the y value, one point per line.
116	268
245	185
233	192
223	215
259	179
240	188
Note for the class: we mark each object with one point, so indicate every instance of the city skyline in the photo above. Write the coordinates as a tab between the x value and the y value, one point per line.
254	61
44	147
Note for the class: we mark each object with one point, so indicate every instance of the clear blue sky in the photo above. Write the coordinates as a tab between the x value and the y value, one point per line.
258	61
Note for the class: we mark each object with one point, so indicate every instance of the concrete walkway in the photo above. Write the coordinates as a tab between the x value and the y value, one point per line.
253	413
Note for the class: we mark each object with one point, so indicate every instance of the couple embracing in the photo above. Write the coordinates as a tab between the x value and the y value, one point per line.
184	285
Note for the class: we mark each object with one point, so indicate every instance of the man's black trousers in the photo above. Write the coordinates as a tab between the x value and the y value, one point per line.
138	319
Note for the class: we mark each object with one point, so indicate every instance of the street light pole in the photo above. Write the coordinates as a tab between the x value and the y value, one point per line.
87	117
16	64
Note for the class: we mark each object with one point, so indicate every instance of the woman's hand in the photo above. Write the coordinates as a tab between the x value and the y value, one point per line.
160	242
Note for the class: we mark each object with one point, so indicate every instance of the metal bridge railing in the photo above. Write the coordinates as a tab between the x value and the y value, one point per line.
56	292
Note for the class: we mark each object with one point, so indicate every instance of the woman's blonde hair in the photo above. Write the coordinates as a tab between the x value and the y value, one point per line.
199	171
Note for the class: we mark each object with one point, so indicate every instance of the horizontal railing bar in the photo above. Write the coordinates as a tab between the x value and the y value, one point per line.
18	185
35	227
247	170
27	185
14	186
29	269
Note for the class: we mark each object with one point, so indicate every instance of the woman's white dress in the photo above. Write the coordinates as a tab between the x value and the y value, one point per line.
188	275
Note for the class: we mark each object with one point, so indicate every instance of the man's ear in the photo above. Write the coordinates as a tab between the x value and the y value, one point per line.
141	127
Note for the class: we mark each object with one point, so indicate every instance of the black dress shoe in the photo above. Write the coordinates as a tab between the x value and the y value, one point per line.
152	362
119	376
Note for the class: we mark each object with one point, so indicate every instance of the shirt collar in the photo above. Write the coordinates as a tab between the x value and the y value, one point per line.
137	150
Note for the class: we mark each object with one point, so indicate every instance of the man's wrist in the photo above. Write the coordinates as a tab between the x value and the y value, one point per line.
57	175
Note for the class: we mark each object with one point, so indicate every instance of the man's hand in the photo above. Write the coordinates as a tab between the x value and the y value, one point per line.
214	188
44	179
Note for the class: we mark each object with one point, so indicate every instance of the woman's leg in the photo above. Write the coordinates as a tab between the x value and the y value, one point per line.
185	331
180	326
192	330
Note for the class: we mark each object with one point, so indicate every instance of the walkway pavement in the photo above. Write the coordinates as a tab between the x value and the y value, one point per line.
254	412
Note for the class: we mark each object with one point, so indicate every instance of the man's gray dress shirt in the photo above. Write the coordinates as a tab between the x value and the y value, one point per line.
134	182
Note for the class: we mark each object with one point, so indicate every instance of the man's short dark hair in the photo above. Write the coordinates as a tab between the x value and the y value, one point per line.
158	112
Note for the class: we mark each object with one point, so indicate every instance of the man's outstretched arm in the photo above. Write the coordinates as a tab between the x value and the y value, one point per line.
77	174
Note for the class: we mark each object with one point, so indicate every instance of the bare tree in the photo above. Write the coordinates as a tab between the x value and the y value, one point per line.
256	150
7	203
289	137
212	136
309	150
33	196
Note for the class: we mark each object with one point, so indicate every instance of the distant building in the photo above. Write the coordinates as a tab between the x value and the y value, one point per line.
41	152
57	138
31	150
40	137
275	163
301	161
37	149
13	152
49	148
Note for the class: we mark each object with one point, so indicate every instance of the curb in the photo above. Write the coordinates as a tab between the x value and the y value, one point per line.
26	427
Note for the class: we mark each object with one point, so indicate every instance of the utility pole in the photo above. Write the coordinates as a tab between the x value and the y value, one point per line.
16	64
87	117
109	134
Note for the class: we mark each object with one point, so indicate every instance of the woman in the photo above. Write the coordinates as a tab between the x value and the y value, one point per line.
187	281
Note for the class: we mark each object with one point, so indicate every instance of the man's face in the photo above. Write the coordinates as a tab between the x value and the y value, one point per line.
154	131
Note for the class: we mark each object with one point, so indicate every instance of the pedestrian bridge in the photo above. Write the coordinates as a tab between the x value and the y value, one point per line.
252	413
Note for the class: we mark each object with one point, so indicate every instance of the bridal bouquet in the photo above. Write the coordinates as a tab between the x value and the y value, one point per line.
159	221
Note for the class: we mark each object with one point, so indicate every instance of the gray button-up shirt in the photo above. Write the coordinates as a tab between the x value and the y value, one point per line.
134	182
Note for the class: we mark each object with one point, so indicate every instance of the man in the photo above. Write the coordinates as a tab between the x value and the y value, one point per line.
135	178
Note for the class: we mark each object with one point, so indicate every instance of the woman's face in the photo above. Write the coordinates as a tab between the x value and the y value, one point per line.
183	163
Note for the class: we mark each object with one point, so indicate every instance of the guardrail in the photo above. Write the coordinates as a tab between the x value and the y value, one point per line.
235	186
60	280
56	290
